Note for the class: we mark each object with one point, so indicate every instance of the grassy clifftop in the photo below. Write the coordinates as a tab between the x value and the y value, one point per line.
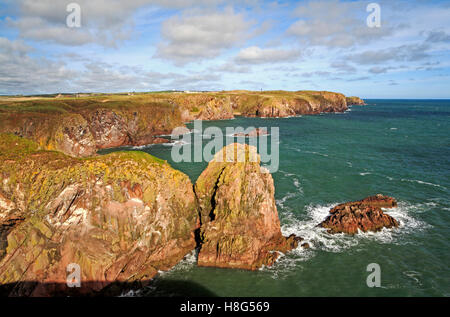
79	126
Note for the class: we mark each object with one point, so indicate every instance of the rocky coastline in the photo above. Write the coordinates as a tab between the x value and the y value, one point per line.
80	127
125	216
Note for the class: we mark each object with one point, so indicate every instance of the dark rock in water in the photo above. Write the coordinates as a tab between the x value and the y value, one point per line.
305	245
365	215
253	133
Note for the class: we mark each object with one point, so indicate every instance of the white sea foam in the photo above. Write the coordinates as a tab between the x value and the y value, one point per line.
320	240
289	195
422	182
140	147
176	143
365	173
280	202
295	116
188	262
316	153
415	276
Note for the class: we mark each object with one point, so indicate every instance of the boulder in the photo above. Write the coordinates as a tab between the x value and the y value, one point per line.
365	215
240	227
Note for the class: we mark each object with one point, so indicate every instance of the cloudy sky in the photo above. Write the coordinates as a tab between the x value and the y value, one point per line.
149	45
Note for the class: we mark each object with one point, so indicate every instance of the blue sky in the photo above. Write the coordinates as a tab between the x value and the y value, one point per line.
149	45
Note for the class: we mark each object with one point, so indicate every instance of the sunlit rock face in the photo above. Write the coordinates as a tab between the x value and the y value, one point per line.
364	215
240	227
119	217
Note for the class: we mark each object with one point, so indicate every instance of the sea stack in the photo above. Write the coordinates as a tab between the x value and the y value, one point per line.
240	227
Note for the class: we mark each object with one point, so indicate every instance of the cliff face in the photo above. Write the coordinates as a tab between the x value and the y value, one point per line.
204	106
355	101
81	126
284	104
80	129
123	217
240	227
120	217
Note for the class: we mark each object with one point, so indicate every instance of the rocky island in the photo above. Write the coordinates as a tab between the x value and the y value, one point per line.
364	215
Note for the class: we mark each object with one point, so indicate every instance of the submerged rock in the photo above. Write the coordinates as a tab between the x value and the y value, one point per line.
253	133
365	215
240	227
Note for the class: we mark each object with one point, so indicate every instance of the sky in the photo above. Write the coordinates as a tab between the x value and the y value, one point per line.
154	45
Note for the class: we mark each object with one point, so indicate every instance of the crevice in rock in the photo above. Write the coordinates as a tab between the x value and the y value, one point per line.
212	215
197	232
5	228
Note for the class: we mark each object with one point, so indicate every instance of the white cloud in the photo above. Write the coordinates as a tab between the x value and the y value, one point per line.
257	55
195	36
402	53
105	22
334	24
20	73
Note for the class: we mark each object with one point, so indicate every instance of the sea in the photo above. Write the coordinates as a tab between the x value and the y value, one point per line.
399	148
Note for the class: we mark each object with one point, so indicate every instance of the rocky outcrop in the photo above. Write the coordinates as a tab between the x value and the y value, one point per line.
355	101
81	126
203	106
365	215
216	109
124	216
240	227
121	217
82	130
285	104
253	133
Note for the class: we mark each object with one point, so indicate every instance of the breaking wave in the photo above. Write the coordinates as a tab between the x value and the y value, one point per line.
320	240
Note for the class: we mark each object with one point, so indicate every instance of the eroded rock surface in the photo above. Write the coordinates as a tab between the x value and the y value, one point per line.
355	101
240	227
365	215
121	217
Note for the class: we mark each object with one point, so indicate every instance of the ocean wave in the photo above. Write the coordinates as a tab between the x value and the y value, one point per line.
177	143
294	116
290	195
280	202
422	182
315	153
141	147
188	262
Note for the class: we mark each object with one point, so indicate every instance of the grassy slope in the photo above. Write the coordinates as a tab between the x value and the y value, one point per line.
158	101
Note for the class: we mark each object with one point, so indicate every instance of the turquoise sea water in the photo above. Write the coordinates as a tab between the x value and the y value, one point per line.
400	148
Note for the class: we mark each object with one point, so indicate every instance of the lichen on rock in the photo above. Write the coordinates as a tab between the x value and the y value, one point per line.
364	215
240	227
121	217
